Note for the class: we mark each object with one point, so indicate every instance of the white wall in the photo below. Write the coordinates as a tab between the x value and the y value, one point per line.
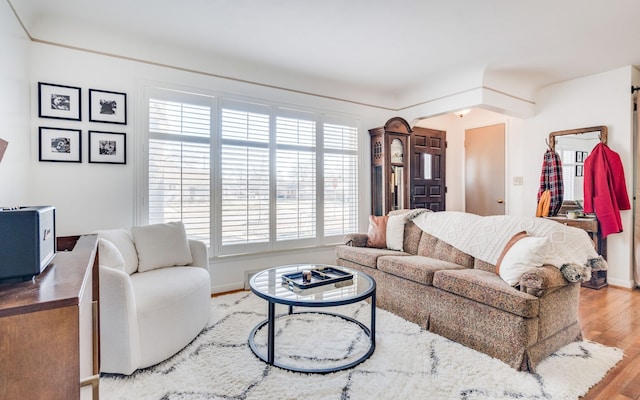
601	99
514	145
14	110
99	196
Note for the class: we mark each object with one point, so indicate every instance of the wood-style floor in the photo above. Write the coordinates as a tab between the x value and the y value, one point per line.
611	316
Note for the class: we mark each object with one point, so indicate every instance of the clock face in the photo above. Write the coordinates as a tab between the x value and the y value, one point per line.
397	151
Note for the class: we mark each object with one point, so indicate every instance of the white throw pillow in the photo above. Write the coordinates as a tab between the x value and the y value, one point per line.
124	243
161	245
109	255
528	252
395	232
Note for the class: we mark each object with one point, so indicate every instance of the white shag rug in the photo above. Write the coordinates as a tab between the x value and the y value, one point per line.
408	363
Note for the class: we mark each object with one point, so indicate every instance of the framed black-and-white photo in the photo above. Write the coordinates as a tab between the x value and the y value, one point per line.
579	156
579	170
62	145
110	107
58	101
107	147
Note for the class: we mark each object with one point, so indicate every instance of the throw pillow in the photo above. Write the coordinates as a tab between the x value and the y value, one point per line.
395	232
109	255
161	245
377	233
523	253
124	243
509	244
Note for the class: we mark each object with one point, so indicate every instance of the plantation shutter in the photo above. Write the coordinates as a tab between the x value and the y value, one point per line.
340	179
295	179
179	165
244	177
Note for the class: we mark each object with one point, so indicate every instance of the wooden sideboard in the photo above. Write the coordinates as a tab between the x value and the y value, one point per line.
49	333
590	225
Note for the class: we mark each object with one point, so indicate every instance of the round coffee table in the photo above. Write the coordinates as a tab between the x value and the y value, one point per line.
268	284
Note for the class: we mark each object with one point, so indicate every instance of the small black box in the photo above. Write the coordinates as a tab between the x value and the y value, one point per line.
27	241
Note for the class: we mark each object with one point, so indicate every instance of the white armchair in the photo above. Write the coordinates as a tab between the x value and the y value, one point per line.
155	294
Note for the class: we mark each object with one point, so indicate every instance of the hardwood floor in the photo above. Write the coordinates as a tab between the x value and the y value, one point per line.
611	316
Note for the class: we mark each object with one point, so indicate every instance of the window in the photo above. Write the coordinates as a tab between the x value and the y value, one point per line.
179	165
568	172
248	177
341	179
245	216
295	178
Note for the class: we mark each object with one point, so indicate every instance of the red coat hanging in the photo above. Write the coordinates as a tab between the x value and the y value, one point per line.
605	189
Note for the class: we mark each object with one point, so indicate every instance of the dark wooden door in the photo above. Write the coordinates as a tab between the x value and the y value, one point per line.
428	151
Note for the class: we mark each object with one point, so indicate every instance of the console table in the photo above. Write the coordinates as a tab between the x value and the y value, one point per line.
49	333
590	225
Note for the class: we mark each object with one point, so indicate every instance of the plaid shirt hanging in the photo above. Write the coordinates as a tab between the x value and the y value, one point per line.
551	180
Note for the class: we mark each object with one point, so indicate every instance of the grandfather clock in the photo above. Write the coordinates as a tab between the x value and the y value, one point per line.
390	166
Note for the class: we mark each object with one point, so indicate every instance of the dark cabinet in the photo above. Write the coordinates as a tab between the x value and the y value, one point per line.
407	167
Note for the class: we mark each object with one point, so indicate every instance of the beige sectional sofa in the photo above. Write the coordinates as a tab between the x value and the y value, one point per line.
462	298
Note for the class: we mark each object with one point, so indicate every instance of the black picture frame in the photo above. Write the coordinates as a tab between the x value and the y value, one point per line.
579	170
108	107
60	145
579	157
107	147
59	101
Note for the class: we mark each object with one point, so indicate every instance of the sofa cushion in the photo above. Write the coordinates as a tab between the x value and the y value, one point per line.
365	256
487	288
432	247
161	245
109	255
377	231
124	243
414	268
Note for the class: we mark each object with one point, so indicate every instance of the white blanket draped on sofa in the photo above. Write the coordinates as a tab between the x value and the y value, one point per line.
485	237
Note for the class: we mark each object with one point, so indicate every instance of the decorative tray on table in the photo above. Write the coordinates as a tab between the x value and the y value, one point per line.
319	277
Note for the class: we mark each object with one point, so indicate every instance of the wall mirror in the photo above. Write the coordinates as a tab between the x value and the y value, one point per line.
574	146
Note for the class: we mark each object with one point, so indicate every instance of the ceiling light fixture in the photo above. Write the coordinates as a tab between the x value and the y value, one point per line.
462	113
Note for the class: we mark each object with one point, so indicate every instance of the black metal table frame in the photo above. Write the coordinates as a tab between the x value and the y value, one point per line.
271	317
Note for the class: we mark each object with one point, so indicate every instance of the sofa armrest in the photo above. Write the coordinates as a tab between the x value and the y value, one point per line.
119	334
199	254
542	280
356	239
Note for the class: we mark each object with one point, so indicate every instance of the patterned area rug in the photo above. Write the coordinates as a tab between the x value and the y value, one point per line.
408	363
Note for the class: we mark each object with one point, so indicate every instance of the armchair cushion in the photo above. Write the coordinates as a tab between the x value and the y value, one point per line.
161	246
110	256
124	243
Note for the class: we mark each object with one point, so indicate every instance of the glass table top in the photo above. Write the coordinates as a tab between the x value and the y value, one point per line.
269	285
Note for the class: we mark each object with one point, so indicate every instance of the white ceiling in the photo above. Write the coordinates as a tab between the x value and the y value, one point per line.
388	46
